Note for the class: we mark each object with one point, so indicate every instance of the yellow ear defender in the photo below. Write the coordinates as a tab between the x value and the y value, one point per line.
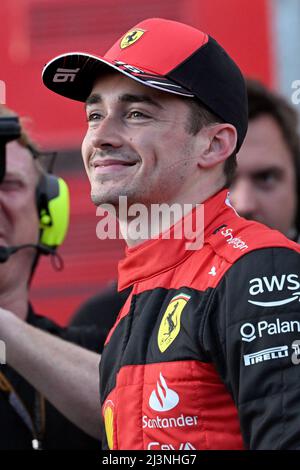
53	206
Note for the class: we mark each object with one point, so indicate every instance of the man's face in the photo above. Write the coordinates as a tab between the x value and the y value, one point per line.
19	222
265	186
137	144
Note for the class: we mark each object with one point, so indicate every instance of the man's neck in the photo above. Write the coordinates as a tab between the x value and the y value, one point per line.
137	230
15	300
293	234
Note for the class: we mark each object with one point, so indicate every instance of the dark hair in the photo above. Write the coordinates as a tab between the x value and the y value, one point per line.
263	101
199	117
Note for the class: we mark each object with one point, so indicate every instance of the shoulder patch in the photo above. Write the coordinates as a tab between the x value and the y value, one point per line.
239	237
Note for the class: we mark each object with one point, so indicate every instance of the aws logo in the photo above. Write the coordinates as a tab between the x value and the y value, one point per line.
131	37
275	284
170	324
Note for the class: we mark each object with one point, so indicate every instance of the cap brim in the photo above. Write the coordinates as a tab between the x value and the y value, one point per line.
72	75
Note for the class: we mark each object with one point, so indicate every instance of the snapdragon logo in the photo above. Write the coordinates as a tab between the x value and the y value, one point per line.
2	92
138	222
235	242
275	284
2	353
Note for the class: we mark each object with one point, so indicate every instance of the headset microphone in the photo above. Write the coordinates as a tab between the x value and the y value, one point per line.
7	251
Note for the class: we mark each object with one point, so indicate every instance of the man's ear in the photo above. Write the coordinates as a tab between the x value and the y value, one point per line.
221	140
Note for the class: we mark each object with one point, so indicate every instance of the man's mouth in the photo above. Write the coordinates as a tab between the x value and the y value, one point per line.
3	241
110	165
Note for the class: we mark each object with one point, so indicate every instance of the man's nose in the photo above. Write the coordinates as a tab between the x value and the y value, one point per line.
243	199
2	194
3	200
107	134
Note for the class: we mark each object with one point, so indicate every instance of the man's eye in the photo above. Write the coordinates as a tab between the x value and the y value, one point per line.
10	185
93	117
267	179
136	114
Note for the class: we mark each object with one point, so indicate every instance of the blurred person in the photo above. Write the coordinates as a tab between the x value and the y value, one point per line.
203	353
29	202
266	186
101	309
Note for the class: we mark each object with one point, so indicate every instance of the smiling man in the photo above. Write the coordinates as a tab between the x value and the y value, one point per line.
135	161
185	366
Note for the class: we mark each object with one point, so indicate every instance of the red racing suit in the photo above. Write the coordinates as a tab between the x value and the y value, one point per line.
205	352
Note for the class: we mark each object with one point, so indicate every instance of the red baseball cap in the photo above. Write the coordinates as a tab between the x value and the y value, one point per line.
163	54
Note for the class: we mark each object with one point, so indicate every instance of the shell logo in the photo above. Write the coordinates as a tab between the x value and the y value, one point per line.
109	423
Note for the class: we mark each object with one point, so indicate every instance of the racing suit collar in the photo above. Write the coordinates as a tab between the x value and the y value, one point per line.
161	254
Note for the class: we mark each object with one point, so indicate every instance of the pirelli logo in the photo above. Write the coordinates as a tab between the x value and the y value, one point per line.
278	352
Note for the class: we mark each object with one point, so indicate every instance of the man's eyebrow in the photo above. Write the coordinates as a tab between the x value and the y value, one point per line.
263	171
95	98
128	98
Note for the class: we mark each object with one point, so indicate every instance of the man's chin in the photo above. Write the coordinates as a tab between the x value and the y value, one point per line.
99	199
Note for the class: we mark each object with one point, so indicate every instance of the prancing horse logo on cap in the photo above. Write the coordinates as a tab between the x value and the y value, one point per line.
131	37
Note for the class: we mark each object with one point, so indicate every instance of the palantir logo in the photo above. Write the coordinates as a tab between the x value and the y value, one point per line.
247	331
277	326
163	398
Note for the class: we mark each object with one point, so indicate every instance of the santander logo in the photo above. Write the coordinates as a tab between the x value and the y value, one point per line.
163	398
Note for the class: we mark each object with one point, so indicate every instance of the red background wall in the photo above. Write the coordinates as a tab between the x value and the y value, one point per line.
34	31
